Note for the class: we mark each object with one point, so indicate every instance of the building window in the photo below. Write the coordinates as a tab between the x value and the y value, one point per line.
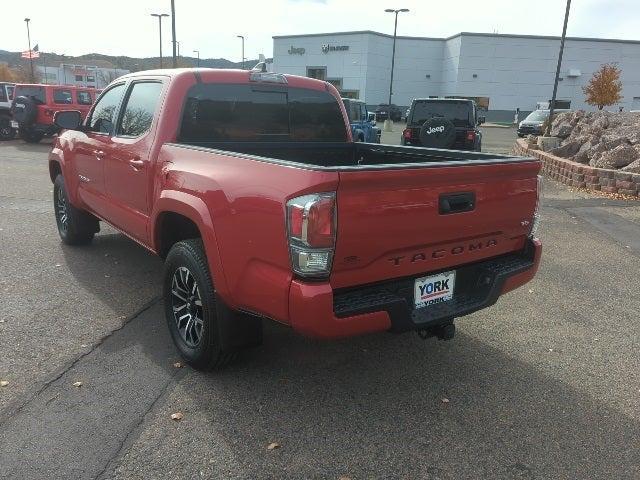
91	78
317	72
79	78
350	93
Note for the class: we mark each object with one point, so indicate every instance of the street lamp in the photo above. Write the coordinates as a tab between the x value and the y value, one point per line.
198	52
33	77
240	36
388	123
160	15
552	107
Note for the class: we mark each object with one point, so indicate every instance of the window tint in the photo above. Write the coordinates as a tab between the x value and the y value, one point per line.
140	108
62	96
102	118
354	112
84	98
35	93
10	92
460	113
226	113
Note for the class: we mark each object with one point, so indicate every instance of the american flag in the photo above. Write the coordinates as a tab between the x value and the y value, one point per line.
33	53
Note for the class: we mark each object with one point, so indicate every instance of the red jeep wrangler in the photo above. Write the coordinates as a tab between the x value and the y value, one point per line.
250	186
34	106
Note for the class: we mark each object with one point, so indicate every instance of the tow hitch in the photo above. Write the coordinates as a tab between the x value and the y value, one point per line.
443	332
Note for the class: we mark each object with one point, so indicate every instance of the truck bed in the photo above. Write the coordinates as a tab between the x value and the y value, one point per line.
349	156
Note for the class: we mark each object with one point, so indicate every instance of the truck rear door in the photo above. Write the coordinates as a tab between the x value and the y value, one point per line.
398	222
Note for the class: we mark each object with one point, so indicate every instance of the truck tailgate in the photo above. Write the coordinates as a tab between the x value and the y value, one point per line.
401	222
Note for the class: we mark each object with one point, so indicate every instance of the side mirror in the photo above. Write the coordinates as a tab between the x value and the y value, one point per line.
481	120
371	117
69	119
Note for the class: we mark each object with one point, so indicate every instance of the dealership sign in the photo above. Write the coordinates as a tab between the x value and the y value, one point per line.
326	48
296	50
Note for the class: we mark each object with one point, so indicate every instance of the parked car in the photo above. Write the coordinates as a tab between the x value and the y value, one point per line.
363	123
34	107
6	96
388	111
449	123
250	187
532	125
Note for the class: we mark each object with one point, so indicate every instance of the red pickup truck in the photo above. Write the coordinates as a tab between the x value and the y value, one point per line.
249	185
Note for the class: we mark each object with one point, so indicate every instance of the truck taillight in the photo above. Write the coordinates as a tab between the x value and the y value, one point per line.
407	133
311	231
535	223
471	136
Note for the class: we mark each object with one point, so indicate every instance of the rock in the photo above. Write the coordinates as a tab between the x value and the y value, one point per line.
562	125
583	153
602	122
633	167
620	156
566	150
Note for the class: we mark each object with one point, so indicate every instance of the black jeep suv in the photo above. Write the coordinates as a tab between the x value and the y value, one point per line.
443	123
388	111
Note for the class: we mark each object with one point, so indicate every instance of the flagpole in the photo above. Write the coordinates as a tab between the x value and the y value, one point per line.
33	77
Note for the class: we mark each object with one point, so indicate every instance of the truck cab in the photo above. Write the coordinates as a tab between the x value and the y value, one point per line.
363	123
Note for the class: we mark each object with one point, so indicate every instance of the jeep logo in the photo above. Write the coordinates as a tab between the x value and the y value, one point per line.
296	50
441	253
434	130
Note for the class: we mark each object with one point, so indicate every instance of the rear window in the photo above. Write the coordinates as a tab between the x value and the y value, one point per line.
62	96
10	92
84	98
460	113
237	113
35	93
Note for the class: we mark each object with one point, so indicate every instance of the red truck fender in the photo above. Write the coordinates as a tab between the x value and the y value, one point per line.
193	208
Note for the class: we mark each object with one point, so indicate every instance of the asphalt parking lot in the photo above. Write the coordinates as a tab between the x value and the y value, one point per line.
544	384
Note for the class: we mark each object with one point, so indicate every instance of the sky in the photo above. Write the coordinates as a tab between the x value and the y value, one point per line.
125	27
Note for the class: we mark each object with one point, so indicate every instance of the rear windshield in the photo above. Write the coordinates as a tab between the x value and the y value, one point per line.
237	113
35	93
460	113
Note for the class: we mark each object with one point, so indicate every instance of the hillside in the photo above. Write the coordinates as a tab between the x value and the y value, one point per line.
128	63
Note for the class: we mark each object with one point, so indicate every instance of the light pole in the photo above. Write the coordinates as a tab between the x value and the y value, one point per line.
173	34
552	107
198	52
240	36
178	43
388	123
160	15
33	77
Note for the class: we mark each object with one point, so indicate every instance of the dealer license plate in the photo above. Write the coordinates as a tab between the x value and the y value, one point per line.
14	124
434	289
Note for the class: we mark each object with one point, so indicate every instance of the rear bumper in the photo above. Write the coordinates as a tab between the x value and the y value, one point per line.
316	310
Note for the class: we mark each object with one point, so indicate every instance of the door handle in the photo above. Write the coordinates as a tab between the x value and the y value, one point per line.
456	202
136	163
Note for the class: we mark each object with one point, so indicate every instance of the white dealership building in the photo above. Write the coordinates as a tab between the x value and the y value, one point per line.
502	72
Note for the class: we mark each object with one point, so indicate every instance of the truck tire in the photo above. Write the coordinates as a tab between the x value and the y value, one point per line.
438	132
6	131
190	307
30	136
75	226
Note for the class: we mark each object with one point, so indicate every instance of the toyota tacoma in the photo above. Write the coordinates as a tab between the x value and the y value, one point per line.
251	188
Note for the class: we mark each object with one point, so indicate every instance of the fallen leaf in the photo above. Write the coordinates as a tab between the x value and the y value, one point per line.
178	365
77	384
4	383
273	446
177	416
445	400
